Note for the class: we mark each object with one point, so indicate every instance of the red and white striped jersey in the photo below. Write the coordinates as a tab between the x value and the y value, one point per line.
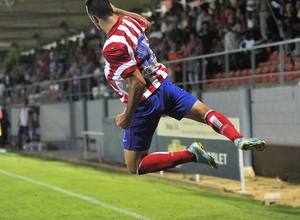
127	49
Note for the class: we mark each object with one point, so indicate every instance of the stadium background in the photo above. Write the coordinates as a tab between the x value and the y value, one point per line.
241	57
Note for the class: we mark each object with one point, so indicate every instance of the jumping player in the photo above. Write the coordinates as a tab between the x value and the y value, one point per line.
132	70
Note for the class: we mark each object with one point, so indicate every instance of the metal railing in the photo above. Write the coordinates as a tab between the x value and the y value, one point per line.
242	67
284	48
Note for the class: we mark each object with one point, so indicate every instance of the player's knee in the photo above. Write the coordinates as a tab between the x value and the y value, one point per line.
202	109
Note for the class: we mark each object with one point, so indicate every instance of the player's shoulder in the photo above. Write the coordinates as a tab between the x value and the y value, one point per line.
116	50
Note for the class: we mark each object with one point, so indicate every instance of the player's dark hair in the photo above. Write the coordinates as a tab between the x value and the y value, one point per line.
99	8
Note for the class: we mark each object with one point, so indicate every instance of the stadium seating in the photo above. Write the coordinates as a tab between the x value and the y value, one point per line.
267	72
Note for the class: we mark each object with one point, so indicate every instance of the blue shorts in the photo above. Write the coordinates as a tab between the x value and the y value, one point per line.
169	100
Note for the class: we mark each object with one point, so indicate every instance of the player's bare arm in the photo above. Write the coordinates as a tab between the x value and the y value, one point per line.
123	12
136	84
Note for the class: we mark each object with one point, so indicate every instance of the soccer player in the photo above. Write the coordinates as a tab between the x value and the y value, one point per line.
132	70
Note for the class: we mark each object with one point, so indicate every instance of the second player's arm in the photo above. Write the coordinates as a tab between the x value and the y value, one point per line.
136	83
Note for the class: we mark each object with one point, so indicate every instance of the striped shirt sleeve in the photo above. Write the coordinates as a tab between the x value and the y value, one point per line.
121	59
139	23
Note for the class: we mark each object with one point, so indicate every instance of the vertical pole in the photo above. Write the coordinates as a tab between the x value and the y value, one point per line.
204	74
184	76
70	82
281	65
72	116
245	158
98	88
61	85
85	147
253	69
99	150
246	121
88	81
242	175
227	69
72	122
85	115
79	89
102	146
197	176
105	107
85	125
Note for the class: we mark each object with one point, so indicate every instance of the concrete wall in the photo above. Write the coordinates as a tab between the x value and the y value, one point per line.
55	122
115	107
79	118
276	115
14	120
227	102
272	162
95	115
275	112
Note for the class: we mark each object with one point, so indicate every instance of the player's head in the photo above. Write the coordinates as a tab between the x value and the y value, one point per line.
98	10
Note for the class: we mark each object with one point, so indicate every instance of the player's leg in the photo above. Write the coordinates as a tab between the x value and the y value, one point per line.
221	124
138	161
133	159
20	138
183	105
137	141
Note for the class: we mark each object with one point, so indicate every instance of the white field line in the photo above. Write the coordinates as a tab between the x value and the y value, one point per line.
76	195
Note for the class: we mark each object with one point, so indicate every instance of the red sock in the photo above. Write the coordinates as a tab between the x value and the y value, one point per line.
222	125
162	161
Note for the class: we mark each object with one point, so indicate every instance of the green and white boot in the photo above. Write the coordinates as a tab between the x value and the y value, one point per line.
201	155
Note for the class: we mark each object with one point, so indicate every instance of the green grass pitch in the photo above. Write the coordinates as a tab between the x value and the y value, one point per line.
34	189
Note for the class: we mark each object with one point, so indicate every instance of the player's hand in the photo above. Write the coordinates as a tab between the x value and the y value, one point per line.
114	8
123	120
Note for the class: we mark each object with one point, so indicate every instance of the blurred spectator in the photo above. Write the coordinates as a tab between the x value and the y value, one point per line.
264	14
203	17
4	126
214	26
2	88
298	8
24	121
232	31
175	54
291	22
206	36
86	66
74	69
